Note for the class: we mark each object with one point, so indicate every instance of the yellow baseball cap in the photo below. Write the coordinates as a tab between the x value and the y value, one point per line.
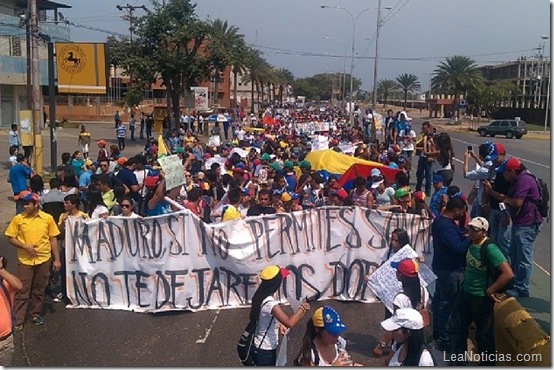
270	272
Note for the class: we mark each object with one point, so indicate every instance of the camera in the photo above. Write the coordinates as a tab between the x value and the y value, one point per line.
469	148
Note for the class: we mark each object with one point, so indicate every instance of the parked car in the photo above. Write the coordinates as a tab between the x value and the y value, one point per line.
509	127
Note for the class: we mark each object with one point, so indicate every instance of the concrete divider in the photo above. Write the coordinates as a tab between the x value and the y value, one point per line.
518	334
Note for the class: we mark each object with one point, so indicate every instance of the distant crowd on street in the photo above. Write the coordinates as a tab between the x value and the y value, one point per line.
238	165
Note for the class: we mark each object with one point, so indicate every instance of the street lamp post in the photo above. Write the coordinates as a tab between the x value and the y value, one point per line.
376	61
354	20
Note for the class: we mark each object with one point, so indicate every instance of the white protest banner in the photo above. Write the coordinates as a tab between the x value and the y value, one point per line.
177	262
173	171
383	281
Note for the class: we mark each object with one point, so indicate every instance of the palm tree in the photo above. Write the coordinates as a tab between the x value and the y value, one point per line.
227	44
283	78
407	83
384	88
255	69
455	75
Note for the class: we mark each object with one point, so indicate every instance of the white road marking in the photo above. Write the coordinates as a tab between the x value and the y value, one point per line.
541	268
522	159
209	330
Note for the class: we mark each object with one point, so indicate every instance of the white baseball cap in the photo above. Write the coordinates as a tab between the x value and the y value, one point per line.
404	318
375	184
480	223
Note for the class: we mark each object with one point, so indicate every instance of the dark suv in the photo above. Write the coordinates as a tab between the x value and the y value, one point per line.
508	127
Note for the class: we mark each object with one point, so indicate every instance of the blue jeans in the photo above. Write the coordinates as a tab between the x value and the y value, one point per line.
448	286
424	172
264	357
521	253
475	209
500	234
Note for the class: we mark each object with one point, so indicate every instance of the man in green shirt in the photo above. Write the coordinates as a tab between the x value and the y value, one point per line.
485	274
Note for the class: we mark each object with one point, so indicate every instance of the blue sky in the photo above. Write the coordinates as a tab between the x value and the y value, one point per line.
416	34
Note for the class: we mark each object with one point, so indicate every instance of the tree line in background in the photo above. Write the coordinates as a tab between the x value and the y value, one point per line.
457	75
174	46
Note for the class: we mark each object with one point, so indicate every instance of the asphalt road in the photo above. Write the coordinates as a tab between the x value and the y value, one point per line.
534	153
76	337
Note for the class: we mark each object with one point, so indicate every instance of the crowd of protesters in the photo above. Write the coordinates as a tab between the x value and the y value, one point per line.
260	167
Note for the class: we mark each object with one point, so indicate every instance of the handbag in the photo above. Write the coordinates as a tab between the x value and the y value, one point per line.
246	341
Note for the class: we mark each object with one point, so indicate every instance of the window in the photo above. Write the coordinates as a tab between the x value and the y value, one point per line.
495	124
505	124
15	46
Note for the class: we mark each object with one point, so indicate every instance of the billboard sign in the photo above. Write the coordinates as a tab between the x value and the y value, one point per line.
81	68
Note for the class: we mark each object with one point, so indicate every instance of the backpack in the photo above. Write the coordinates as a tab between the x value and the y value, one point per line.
246	341
543	204
492	271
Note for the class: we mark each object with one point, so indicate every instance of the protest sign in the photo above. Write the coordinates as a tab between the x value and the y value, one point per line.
383	281
215	159
177	262
214	140
173	171
320	142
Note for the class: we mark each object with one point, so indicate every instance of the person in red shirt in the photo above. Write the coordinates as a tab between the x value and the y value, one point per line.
193	202
9	284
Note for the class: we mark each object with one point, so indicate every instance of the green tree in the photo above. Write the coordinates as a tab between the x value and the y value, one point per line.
283	78
486	96
456	75
141	73
320	86
224	48
407	83
170	37
384	88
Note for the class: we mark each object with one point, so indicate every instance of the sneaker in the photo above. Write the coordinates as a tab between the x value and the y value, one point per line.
58	297
37	320
19	327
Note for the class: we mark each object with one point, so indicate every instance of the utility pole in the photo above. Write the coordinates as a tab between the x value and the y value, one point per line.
376	61
130	15
35	85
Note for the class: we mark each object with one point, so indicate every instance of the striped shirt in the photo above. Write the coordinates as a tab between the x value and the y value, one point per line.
121	131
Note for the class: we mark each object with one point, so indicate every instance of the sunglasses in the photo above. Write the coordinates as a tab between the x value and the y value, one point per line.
126	205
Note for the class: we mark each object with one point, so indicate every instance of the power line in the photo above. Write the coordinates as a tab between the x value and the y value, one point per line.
95	29
274	50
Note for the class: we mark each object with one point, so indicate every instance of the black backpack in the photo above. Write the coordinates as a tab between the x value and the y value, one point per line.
246	341
543	204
